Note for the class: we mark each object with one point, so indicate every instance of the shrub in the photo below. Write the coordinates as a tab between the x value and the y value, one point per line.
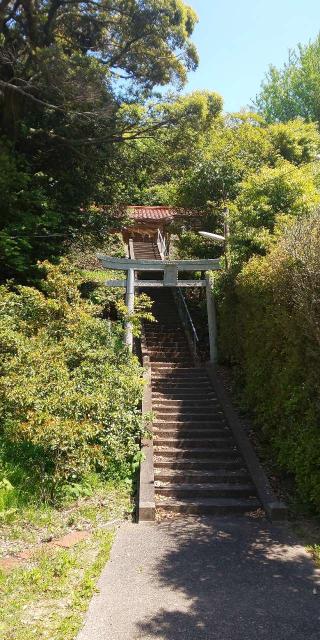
270	323
69	389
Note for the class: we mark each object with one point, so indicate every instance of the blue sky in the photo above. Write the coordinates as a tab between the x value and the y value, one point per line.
238	39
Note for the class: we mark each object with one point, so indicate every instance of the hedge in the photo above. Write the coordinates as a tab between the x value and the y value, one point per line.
270	329
69	389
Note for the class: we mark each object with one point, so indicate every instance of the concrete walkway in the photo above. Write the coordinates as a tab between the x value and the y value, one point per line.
206	579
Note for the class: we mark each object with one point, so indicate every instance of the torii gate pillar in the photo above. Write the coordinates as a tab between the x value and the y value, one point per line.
130	307
212	320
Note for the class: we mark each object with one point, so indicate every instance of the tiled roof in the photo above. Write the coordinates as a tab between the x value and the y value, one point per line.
155	213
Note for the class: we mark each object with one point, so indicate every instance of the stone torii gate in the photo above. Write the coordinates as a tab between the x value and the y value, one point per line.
170	269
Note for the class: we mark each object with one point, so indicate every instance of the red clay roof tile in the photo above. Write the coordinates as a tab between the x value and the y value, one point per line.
140	212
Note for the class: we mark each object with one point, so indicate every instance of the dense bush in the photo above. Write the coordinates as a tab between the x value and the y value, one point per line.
270	324
69	390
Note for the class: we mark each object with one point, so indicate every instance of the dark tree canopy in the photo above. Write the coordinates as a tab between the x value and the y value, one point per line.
68	57
71	76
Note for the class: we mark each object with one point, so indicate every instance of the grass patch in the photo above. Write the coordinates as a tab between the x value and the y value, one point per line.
85	506
46	600
308	531
314	549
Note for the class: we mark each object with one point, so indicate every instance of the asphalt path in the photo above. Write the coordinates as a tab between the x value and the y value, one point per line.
206	579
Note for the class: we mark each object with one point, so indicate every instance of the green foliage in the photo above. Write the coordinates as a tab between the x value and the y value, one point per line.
295	141
234	146
24	206
69	390
268	198
270	328
294	90
189	244
148	170
262	173
73	77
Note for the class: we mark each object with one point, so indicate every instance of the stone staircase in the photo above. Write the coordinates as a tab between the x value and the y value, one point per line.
146	250
198	469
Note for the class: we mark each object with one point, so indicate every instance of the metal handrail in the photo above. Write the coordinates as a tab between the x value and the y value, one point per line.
162	245
131	249
187	321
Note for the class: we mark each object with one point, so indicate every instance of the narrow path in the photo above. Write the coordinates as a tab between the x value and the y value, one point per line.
205	579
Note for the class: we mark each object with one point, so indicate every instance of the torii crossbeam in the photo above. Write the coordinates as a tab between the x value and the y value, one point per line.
170	270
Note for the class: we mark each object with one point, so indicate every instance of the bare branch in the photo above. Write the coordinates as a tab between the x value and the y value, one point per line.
49	105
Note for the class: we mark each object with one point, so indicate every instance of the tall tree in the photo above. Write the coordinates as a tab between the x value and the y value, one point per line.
66	70
146	170
294	90
262	173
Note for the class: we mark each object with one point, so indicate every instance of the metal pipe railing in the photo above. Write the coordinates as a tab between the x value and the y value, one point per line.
131	249
162	245
187	321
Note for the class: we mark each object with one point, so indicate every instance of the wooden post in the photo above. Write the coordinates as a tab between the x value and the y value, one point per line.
130	306
212	321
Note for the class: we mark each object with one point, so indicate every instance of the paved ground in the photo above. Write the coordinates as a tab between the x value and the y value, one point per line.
206	579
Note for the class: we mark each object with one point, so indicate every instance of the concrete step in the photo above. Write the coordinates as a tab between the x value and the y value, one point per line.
162	378
202	476
197	443
170	399
172	344
179	379
172	339
184	371
171	390
162	385
214	506
180	373
166	325
195	453
173	377
199	392
168	352
182	432
161	357
200	405
161	371
183	357
207	464
167	347
187	400
205	490
145	251
175	338
194	422
186	414
174	393
187	407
